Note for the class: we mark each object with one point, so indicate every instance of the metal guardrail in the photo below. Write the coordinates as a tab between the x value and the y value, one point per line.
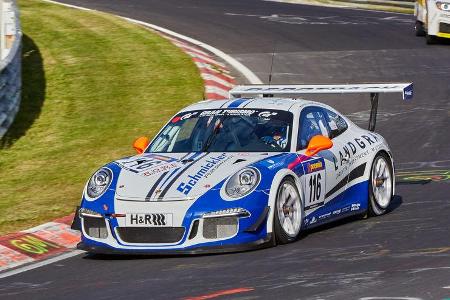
10	64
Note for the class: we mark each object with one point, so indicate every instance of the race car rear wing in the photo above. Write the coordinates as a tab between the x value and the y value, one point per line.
294	91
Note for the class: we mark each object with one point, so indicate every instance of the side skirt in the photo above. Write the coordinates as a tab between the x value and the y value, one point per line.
354	202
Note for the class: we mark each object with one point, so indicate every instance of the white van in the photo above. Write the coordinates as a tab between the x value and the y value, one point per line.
432	19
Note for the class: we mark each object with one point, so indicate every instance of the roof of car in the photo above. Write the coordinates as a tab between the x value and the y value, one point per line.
286	104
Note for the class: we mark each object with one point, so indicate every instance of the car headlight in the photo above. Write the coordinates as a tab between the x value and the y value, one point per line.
242	183
443	5
99	183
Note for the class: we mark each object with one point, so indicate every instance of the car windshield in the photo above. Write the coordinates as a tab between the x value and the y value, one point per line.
230	130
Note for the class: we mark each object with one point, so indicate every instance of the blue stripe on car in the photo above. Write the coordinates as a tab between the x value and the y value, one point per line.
236	103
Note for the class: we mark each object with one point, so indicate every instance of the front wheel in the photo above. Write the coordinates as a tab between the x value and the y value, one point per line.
431	39
420	30
288	216
380	185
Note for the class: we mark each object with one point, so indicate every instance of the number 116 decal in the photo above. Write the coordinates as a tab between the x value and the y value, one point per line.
314	190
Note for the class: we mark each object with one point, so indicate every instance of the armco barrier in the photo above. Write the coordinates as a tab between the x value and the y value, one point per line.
10	64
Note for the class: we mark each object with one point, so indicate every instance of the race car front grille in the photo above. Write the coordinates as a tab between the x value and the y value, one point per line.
150	235
444	27
95	227
219	228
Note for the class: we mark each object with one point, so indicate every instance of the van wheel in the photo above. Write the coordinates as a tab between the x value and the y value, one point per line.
431	39
420	31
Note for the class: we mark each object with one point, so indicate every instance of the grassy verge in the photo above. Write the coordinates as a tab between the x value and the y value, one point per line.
91	84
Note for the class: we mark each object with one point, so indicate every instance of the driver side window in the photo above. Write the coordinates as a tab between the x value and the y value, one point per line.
312	123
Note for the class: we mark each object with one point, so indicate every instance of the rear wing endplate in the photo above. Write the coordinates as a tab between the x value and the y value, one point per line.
294	91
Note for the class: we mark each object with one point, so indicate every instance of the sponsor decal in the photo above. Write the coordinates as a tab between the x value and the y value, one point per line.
184	117
141	164
351	148
356	158
271	164
355	206
267	114
149	220
336	212
188	115
227	112
313	220
314	166
355	150
161	169
324	216
276	165
345	209
205	170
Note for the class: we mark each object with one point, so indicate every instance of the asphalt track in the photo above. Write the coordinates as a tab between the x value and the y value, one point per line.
405	253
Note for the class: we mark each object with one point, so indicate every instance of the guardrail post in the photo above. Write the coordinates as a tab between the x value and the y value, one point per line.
10	64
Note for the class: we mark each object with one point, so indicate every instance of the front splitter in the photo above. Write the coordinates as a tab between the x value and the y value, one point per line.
259	244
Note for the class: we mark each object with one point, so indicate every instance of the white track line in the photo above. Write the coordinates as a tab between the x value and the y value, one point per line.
41	263
68	5
249	75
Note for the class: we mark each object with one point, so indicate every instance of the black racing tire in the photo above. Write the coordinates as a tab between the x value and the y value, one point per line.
379	202
281	235
431	39
419	28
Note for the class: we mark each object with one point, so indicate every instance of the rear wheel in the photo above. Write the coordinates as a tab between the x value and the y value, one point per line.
420	30
380	185
288	215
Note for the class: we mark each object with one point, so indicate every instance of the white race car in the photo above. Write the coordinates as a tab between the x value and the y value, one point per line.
247	172
432	19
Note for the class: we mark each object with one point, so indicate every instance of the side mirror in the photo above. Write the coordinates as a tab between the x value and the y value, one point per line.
317	144
140	144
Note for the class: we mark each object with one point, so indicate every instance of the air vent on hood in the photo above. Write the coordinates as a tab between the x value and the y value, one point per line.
239	160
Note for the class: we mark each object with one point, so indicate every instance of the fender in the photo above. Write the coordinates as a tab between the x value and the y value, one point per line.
279	176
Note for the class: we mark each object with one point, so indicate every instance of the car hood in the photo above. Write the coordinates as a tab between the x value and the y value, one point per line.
178	176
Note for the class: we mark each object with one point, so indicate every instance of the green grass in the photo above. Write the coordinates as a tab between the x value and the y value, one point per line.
92	83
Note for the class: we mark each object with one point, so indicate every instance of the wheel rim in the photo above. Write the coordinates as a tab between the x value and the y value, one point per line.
289	209
381	182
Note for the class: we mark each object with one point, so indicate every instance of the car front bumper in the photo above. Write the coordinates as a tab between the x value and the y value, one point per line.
251	233
266	242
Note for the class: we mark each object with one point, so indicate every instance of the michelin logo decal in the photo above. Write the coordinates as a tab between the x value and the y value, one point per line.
210	164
